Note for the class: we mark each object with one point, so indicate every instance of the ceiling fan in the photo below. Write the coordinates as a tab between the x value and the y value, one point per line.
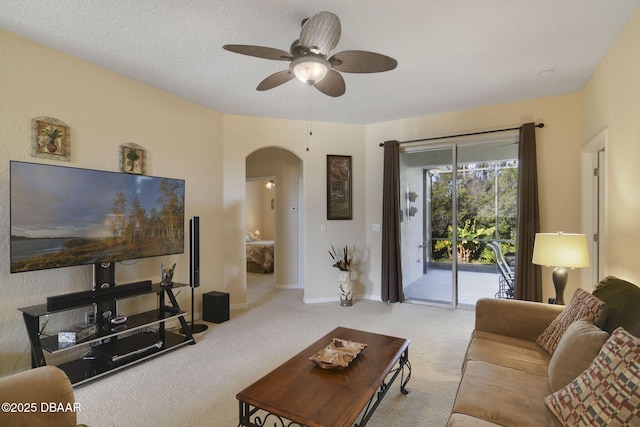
309	57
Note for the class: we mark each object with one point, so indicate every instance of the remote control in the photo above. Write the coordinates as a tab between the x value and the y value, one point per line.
118	320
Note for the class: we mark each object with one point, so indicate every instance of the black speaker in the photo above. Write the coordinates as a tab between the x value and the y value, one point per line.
194	272
104	275
215	307
194	251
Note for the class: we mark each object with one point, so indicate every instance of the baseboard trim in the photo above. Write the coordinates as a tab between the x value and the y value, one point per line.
320	300
337	299
289	286
238	306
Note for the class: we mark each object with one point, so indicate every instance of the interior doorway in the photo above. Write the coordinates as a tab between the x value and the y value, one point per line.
273	218
594	203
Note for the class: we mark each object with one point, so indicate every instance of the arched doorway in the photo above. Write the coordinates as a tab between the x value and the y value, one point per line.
281	204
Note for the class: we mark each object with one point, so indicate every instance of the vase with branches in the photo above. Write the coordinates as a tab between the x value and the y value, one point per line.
342	261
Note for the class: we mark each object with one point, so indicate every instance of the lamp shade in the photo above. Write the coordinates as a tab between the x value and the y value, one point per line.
561	250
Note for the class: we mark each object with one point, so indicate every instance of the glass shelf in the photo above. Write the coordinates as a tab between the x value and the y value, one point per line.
134	322
90	368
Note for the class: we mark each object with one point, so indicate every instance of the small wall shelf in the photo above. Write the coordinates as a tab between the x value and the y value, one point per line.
412	196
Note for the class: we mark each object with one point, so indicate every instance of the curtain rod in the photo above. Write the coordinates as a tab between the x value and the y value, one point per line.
539	125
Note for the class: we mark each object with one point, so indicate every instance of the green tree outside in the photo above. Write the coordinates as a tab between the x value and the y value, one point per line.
487	197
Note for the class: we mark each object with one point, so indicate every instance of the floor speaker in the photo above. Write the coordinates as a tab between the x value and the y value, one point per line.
215	307
194	251
194	271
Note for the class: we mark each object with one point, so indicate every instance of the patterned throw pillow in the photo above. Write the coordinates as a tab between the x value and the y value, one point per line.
608	392
583	305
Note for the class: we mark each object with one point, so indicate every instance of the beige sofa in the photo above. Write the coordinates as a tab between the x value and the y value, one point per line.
506	372
41	397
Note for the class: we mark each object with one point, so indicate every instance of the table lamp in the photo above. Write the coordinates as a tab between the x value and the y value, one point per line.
561	250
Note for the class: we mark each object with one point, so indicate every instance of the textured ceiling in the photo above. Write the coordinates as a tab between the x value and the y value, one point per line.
452	54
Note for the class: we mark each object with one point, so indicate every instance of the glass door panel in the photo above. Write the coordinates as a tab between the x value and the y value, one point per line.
486	213
426	186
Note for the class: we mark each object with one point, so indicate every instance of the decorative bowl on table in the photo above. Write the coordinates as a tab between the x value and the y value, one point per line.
338	354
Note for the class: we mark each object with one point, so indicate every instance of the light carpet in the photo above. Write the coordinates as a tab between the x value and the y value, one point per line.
197	384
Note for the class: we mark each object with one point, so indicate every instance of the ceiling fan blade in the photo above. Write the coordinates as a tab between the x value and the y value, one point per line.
321	33
332	84
259	51
275	79
361	61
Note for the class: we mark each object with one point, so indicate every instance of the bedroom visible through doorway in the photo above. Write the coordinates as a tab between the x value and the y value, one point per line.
260	236
273	195
260	224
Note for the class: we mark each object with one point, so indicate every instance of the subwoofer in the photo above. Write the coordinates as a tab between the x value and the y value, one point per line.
215	306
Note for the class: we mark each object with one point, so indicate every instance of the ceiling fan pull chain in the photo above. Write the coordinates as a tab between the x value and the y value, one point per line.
309	130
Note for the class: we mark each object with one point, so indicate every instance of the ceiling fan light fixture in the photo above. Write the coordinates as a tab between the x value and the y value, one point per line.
310	69
309	59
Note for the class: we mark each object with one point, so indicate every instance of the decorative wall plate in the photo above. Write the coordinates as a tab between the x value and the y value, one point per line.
133	158
50	139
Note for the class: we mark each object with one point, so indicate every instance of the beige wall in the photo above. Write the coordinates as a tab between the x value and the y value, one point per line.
253	206
244	135
103	110
259	211
558	164
611	100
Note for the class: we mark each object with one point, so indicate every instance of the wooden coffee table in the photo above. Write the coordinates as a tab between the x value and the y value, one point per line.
300	393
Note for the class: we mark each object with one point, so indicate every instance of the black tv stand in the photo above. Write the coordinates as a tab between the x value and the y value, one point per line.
112	347
84	298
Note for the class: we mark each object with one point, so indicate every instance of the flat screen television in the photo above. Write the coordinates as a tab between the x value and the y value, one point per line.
63	216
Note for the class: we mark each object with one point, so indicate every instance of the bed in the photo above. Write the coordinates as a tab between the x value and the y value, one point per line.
259	255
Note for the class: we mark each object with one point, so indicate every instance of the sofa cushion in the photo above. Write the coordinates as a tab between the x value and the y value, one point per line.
504	396
608	392
623	300
515	318
509	352
577	348
583	305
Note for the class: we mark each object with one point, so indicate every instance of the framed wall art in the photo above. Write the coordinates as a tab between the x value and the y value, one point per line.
50	139
132	158
339	187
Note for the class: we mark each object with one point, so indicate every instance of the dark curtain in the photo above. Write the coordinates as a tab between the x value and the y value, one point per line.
391	256
528	285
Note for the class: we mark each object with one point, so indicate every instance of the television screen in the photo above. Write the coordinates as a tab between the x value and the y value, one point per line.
63	216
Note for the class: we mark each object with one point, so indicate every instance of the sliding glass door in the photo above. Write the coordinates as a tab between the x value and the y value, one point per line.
451	214
427	205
